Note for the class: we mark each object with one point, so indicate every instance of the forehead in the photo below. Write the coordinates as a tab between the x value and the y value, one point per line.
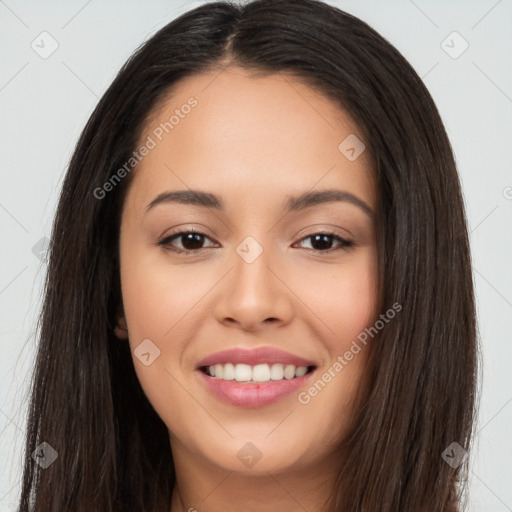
253	132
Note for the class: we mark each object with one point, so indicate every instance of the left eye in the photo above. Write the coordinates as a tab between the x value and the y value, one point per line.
322	240
192	241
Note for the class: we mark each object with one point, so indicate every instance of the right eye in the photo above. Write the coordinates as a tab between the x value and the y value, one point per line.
192	241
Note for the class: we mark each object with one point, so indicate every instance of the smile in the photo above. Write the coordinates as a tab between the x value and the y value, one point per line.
254	378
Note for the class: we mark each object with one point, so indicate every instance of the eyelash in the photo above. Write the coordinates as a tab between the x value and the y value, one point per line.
165	242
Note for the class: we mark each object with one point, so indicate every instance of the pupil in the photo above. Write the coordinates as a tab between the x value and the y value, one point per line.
190	238
324	245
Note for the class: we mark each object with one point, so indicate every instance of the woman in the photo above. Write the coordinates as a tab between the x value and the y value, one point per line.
259	293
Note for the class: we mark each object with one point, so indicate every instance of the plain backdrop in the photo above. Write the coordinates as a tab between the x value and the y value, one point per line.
45	103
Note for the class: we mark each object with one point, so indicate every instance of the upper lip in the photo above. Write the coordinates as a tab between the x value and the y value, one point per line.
253	357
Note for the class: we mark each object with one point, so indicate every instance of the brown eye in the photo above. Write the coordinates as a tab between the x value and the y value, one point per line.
191	241
322	242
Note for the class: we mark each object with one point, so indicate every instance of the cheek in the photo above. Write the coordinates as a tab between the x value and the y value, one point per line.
157	298
356	302
162	304
346	301
159	306
344	298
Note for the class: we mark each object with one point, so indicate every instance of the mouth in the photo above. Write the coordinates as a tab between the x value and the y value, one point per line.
254	378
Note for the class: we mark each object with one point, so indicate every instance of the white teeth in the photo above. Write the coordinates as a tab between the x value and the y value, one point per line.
276	372
300	371
229	372
219	370
261	373
243	372
258	373
289	371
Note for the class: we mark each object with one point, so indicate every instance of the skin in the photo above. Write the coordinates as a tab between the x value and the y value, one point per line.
253	141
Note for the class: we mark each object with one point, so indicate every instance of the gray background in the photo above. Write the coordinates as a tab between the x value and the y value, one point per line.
45	103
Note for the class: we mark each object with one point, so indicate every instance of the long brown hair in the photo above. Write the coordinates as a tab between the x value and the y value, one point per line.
113	449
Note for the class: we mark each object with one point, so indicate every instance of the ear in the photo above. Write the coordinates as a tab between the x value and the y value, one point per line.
121	329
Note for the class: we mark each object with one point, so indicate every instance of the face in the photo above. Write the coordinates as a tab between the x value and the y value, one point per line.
255	262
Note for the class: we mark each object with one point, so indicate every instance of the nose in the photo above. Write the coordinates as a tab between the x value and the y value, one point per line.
255	294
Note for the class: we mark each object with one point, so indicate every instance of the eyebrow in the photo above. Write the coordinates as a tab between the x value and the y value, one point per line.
293	203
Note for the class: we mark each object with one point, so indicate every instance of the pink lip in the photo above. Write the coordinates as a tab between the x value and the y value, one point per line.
252	357
253	395
244	394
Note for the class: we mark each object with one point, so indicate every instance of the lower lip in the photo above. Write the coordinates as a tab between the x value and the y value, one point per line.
253	395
